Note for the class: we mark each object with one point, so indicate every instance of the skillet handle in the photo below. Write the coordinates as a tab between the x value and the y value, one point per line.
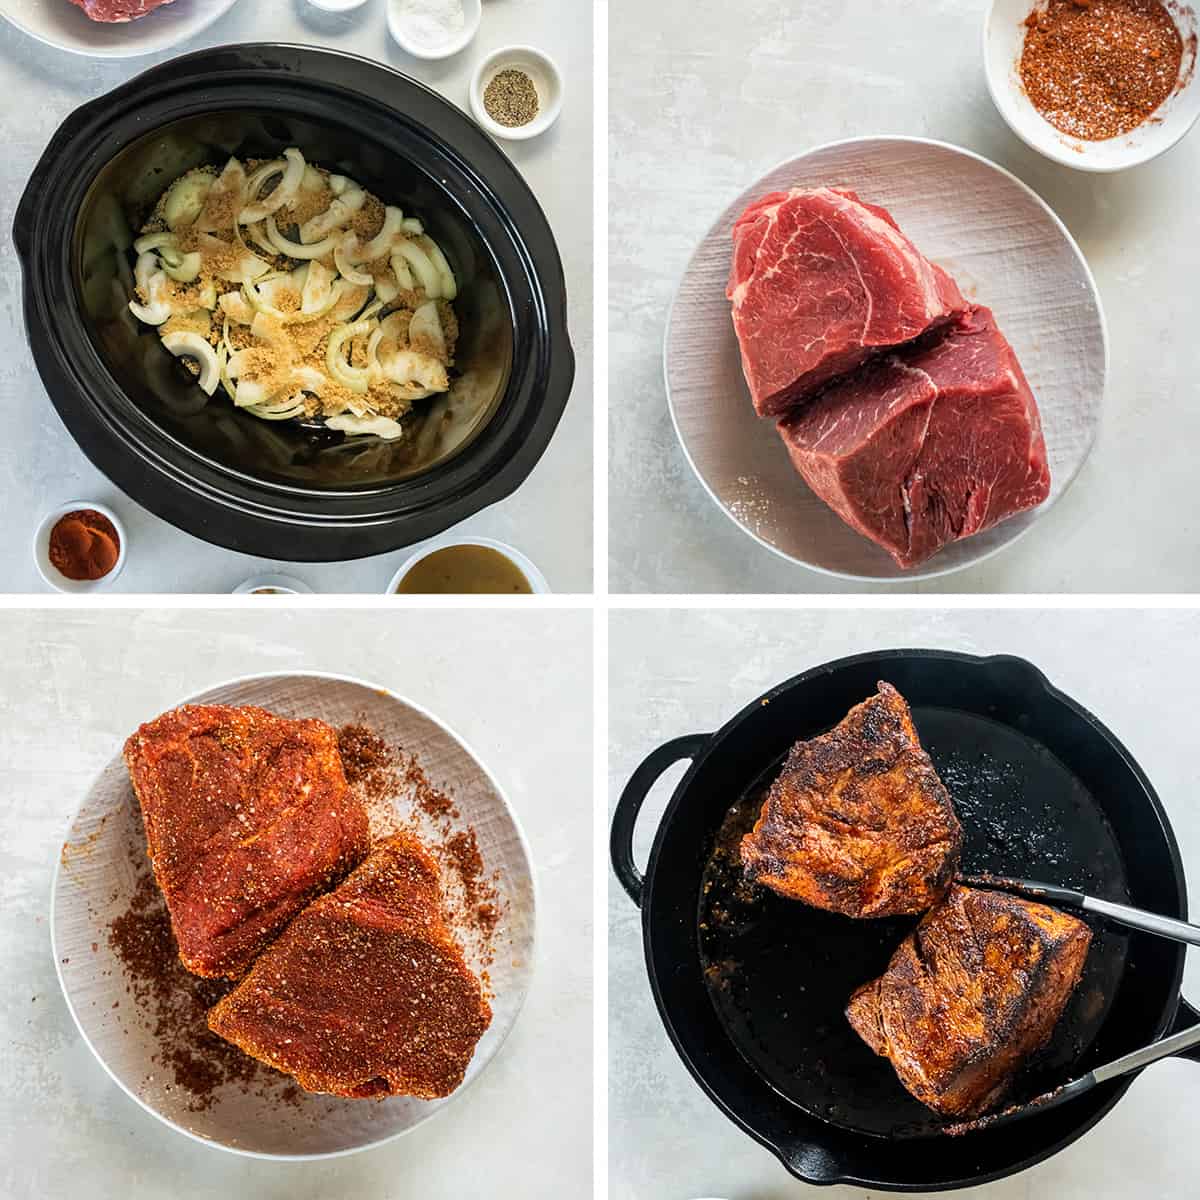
630	804
1185	1018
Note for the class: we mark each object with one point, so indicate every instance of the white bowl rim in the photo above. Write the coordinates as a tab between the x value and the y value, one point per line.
1049	148
77	587
526	852
919	575
536	580
544	120
203	21
287	584
472	10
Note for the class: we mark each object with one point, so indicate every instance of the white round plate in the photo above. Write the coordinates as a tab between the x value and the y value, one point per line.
97	874
1006	249
62	25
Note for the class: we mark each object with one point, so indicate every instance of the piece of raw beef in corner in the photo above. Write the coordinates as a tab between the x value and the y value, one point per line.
821	282
935	443
118	10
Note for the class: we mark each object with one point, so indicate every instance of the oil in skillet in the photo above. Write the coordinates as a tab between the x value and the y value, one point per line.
465	569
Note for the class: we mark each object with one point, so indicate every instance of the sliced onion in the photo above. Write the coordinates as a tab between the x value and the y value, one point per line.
350	301
407	366
234	306
395	327
188	268
335	216
186	197
427	326
249	393
339	183
230	183
343	260
413	227
380	246
284	192
386	288
357	379
427	275
380	427
164	243
316	293
403	273
296	249
192	345
449	287
286	411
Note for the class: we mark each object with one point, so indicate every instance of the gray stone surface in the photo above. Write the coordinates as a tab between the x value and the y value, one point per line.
549	518
75	684
675	673
706	96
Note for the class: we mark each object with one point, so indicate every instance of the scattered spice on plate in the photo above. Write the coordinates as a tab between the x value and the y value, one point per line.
1096	69
84	545
511	98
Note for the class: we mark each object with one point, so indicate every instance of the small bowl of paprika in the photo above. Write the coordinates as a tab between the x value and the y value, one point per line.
1099	85
80	547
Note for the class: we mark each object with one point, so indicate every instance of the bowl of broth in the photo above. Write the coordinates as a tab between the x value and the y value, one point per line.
468	566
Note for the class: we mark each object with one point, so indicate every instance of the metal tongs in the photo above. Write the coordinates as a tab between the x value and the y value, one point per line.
1122	914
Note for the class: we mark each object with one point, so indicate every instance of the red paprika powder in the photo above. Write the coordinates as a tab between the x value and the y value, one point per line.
84	545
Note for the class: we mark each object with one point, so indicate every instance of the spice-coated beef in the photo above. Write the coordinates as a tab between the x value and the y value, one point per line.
975	989
858	821
248	817
366	993
820	282
937	442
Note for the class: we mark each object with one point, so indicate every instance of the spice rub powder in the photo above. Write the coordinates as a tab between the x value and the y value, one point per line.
1096	69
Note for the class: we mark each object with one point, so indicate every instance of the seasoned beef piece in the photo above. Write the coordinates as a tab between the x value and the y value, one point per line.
975	989
936	442
247	818
118	10
366	993
820	282
858	821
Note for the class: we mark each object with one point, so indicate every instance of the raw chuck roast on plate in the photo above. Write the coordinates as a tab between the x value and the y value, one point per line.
118	10
901	404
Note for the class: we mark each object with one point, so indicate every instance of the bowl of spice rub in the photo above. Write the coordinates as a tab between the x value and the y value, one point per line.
80	547
311	939
294	302
1099	85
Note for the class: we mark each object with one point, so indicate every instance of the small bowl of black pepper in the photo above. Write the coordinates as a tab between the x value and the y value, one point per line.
517	93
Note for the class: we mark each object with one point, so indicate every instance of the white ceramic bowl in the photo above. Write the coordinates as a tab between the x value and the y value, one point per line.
284	584
96	874
546	77
1007	250
1003	40
63	26
41	550
537	581
472	15
337	6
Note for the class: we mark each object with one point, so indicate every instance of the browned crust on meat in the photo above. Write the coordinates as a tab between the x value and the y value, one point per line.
858	821
969	995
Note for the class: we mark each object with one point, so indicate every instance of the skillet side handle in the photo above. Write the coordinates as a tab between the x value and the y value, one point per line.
630	804
1186	1017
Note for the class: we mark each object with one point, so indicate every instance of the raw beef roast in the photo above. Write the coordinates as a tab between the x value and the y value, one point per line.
858	821
936	442
975	989
118	10
820	282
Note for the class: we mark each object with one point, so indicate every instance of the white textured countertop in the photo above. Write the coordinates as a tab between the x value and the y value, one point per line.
75	684
677	673
706	96
549	517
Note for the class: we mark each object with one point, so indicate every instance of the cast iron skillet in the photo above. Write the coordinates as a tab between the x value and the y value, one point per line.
1043	791
273	488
